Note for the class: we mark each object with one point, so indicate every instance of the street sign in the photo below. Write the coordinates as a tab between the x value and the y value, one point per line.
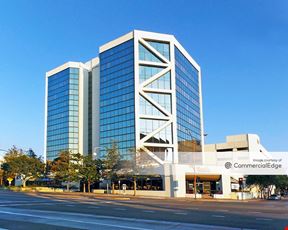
10	179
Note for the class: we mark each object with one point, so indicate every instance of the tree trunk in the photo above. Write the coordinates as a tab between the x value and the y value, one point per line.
24	183
67	186
135	186
25	180
84	187
89	185
270	190
262	193
113	188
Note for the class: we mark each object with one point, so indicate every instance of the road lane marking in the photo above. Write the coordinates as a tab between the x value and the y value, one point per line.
254	212
134	220
148	211
69	205
26	204
266	219
73	220
120	209
180	213
218	216
94	207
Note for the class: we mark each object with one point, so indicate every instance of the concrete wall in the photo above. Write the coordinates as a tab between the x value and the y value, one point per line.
242	142
95	106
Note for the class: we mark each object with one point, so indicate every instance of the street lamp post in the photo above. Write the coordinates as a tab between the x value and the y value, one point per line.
194	164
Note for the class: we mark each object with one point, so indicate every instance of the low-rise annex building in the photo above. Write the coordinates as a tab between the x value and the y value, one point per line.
236	147
237	143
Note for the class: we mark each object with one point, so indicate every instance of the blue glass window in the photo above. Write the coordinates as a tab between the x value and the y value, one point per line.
146	55
162	99
188	103
117	119
163	82
146	72
161	47
62	112
146	108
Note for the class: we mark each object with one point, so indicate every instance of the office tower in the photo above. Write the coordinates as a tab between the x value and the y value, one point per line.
143	92
66	111
150	96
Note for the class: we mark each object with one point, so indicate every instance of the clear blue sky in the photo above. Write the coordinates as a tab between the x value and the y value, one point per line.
242	47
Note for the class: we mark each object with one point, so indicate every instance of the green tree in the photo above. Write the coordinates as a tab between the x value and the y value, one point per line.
112	163
131	168
17	163
281	183
48	168
66	167
90	171
1	176
266	182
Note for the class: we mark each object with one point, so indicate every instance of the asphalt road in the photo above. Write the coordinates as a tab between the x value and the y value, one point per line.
73	211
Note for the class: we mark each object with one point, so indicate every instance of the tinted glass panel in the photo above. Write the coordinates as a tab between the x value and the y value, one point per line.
62	112
117	121
188	109
161	47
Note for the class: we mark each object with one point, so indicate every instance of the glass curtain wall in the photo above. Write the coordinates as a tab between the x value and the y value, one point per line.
188	104
117	119
62	112
152	120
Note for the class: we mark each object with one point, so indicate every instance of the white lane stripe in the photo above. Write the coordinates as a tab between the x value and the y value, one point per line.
120	209
254	212
263	219
77	221
24	201
148	211
180	213
218	216
135	220
32	204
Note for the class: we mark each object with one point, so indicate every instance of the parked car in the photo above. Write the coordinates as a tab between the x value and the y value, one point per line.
274	197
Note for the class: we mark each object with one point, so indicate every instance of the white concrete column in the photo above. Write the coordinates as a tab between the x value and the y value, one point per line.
226	185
